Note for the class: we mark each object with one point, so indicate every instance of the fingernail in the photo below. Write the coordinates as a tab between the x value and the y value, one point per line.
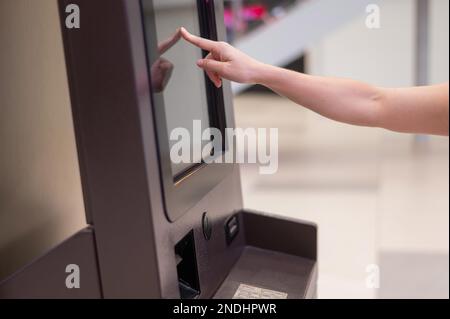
200	63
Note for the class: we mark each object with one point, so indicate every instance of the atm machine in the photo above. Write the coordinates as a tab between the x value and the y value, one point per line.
158	229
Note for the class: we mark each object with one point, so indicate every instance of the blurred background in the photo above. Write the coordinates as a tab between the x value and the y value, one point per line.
381	199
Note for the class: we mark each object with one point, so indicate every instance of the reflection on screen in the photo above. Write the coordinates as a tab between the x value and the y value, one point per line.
174	73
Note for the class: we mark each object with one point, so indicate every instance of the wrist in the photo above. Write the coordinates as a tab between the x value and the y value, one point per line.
261	73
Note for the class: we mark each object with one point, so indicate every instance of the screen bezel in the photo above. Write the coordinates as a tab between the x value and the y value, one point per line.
181	192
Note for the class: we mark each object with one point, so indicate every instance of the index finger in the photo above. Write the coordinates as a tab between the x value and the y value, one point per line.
204	44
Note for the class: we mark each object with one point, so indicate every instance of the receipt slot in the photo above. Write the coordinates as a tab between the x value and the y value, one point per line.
159	229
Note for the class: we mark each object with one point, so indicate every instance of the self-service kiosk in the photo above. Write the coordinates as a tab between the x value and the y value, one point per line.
159	229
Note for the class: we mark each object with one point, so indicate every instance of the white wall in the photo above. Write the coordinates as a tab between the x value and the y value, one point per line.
40	191
439	33
384	56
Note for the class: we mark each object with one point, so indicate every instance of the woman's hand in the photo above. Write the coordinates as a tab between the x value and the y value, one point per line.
224	61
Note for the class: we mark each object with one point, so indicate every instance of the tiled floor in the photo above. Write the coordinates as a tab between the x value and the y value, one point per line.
373	194
414	275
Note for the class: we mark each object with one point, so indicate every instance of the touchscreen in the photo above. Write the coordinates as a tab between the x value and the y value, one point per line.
176	80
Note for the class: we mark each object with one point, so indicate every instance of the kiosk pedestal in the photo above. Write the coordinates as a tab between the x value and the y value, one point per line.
159	230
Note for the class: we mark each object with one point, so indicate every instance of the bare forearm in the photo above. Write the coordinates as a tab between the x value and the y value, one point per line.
411	110
342	100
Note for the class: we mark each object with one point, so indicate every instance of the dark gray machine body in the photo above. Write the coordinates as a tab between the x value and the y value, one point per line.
132	248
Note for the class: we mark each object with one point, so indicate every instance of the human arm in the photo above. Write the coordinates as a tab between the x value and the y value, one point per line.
414	110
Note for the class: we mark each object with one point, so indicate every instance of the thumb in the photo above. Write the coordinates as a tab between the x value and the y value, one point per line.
210	65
